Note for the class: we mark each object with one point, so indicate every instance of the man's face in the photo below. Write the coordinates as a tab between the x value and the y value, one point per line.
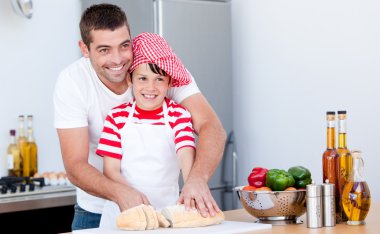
149	88
111	55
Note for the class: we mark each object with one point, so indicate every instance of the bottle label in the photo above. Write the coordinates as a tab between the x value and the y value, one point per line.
331	124
342	126
10	162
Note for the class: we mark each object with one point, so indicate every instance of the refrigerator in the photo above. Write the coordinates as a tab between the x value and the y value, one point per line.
199	32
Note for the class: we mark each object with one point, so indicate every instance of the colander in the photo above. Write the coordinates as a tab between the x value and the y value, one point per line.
273	206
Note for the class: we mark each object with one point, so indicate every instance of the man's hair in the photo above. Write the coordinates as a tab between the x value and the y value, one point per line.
101	17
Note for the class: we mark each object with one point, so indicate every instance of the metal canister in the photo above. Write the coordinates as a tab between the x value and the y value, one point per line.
329	214
314	206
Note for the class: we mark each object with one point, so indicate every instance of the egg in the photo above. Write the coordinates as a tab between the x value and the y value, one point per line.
61	180
61	174
53	178
46	177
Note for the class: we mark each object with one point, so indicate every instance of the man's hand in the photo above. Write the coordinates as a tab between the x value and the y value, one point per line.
128	197
125	195
196	194
209	152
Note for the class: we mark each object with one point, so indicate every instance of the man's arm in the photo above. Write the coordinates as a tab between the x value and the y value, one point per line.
74	148
209	152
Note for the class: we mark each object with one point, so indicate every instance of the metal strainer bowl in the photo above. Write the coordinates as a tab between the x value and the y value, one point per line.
273	206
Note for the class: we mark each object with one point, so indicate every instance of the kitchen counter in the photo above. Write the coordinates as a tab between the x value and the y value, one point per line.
372	224
240	215
53	196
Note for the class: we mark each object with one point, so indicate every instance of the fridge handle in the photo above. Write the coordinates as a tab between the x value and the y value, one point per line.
234	169
157	17
232	183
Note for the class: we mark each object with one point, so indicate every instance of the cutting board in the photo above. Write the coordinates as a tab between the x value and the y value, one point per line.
227	227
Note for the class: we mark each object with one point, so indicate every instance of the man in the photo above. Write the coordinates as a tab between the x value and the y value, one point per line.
87	89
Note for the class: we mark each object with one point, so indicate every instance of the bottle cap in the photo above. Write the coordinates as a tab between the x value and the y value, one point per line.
328	189
341	112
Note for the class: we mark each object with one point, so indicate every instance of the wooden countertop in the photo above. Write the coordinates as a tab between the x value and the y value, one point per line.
372	224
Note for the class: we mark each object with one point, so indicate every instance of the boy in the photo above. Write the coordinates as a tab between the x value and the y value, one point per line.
146	142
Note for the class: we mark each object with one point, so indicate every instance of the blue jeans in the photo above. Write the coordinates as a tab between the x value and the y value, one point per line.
84	219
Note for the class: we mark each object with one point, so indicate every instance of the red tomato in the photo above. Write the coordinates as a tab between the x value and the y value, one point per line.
290	189
249	188
263	189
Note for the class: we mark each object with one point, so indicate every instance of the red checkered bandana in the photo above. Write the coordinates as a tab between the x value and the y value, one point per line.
152	48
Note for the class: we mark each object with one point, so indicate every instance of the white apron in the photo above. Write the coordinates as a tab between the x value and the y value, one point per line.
149	164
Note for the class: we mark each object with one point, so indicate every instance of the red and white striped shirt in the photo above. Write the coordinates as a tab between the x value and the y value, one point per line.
179	120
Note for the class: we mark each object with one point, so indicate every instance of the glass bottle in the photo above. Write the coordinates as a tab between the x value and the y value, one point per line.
345	157
330	160
356	197
32	149
13	155
22	141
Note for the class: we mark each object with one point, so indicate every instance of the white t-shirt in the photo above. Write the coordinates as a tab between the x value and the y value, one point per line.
81	99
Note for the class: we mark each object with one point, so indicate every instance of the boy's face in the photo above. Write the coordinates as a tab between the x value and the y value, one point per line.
149	88
111	55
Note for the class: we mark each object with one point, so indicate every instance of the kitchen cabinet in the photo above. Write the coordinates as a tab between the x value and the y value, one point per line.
47	220
41	211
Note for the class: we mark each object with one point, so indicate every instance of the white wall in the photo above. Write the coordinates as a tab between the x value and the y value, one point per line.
33	53
293	61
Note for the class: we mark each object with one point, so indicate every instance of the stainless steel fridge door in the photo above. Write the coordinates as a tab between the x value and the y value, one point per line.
200	34
140	13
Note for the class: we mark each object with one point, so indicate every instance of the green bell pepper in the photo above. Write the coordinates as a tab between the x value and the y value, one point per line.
279	180
301	175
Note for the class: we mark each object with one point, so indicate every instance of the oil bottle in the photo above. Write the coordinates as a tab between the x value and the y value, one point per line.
345	159
330	161
356	197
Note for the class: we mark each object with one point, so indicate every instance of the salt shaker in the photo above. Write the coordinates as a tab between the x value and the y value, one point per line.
329	214
314	205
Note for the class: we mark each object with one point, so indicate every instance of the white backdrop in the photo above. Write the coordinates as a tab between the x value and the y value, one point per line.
33	53
293	61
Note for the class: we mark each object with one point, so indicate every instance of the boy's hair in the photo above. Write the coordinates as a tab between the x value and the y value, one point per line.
156	70
101	17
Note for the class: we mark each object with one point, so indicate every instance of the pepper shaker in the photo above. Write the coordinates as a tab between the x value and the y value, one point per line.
329	214
314	205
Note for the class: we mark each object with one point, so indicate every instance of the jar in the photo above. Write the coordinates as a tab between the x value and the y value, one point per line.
356	197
